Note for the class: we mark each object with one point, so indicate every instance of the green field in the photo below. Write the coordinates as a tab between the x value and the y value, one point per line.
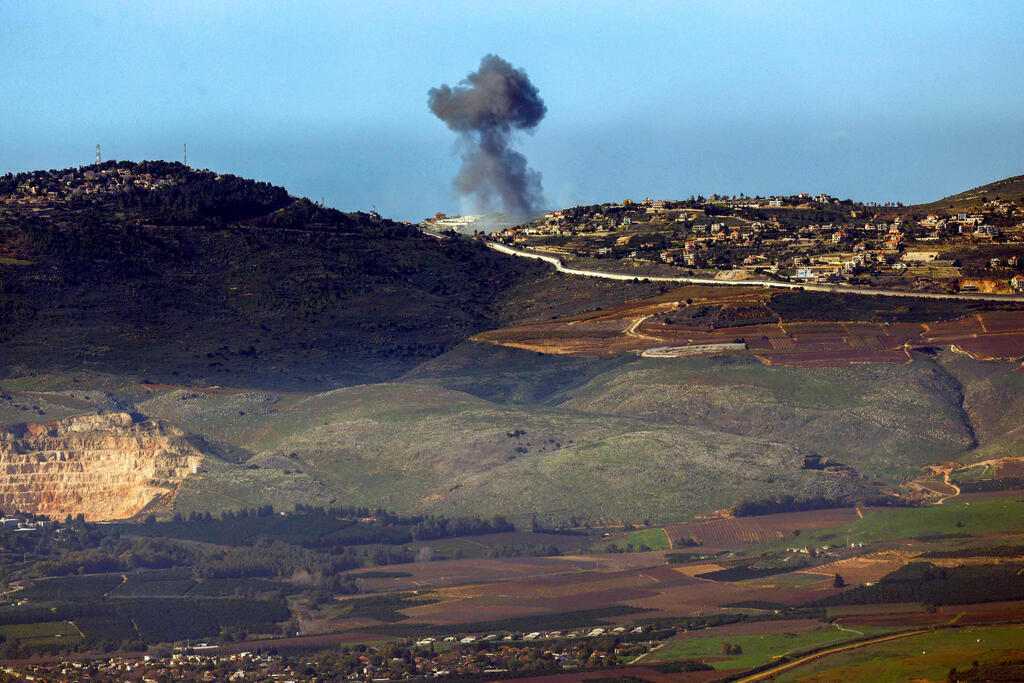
925	657
757	650
1002	515
43	634
72	587
381	607
136	588
655	539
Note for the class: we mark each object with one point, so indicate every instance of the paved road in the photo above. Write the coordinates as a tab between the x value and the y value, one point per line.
836	289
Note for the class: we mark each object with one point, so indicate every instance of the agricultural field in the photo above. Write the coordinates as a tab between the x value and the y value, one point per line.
755	649
928	656
44	634
295	528
169	620
690	606
421	575
778	329
507	544
955	519
72	588
155	584
225	588
735	532
652	539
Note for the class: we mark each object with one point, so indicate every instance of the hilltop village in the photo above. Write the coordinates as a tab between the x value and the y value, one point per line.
962	245
43	188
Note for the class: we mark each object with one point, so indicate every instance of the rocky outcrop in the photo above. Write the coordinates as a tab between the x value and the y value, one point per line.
104	466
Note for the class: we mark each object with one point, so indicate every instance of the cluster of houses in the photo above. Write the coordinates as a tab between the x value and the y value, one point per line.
44	188
717	233
361	663
178	666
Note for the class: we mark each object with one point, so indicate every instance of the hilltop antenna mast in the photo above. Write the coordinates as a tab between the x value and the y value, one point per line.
185	147
97	155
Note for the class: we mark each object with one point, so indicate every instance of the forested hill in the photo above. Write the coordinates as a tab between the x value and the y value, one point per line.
187	276
159	192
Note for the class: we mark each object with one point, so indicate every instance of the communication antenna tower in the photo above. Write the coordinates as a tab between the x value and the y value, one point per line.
185	147
97	155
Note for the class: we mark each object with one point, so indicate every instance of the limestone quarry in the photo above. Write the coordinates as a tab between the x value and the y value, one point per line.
105	466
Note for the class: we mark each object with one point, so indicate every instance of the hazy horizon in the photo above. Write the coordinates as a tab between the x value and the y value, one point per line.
872	102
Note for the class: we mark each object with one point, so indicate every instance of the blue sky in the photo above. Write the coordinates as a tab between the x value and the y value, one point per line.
874	101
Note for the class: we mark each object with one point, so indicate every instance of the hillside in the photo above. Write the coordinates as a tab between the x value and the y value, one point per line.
416	448
298	354
608	439
176	275
1007	189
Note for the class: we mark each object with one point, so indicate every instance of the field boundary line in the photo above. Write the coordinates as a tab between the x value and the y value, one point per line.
80	632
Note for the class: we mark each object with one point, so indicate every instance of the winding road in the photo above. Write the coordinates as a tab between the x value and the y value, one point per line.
834	289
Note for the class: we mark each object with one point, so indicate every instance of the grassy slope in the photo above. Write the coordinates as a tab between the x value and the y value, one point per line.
882	419
616	439
509	375
409	447
993	398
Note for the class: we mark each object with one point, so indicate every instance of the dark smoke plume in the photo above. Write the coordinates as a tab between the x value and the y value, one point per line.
486	109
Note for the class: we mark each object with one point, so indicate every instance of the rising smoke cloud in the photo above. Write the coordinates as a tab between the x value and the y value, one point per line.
486	109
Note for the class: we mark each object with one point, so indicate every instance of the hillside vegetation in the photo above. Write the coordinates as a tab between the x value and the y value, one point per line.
616	439
878	418
1010	189
314	356
409	447
220	280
